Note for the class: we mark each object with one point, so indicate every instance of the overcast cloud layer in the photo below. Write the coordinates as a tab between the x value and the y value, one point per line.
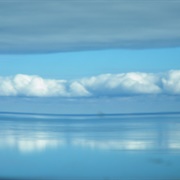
53	26
105	85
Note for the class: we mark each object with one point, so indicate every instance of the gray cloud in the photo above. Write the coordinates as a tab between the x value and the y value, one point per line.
54	26
124	84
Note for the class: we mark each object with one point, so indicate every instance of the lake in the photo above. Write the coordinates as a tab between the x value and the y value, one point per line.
104	147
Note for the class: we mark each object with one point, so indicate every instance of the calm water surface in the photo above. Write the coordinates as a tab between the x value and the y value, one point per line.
90	147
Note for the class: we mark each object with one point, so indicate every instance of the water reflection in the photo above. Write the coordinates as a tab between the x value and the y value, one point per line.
30	134
127	148
30	144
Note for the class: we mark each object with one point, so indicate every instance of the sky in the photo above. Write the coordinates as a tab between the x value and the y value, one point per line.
56	26
89	57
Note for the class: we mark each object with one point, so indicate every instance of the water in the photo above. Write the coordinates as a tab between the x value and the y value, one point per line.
90	147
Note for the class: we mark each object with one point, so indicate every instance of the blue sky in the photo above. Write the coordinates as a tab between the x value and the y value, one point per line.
74	66
89	56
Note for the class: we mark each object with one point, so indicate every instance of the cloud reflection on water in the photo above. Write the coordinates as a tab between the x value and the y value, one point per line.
113	144
34	136
29	144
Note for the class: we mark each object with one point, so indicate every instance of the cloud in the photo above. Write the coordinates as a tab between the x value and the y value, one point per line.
172	82
55	26
109	85
125	84
25	85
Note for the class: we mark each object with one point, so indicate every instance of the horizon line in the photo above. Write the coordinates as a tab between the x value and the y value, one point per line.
93	114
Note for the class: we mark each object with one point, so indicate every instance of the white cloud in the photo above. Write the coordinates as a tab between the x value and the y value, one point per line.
171	82
127	83
37	86
25	85
52	26
77	89
124	84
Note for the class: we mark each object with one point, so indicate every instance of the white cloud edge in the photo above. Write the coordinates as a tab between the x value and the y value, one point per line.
122	84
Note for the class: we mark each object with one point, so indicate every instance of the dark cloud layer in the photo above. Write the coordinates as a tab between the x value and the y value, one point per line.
54	26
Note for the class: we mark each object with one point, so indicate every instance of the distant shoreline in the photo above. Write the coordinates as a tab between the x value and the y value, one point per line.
91	115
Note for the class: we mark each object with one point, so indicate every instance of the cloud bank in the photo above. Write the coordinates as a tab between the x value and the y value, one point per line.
54	26
104	85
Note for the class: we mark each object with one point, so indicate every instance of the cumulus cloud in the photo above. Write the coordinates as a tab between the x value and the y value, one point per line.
127	83
172	82
53	26
123	84
25	85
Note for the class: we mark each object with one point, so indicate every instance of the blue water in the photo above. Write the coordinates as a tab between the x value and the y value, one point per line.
136	146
